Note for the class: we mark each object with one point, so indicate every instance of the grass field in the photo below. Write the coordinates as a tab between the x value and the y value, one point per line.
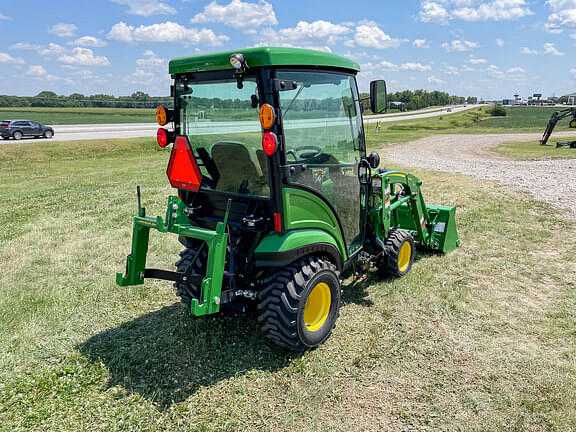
479	340
57	116
474	121
533	149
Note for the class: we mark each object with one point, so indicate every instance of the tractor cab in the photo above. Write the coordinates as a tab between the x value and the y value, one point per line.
276	196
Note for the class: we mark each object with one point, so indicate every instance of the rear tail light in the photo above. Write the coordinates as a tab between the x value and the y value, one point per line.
277	222
269	143
183	171
163	137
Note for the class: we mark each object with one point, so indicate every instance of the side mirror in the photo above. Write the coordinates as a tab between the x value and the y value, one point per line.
378	96
374	160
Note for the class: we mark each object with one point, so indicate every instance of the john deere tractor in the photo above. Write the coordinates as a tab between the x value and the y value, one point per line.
275	196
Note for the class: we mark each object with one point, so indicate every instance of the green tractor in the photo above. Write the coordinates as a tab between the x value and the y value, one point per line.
277	198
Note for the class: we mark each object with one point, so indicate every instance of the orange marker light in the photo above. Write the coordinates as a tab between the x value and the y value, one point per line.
161	115
267	116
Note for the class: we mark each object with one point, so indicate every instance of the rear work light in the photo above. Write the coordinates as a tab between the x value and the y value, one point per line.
183	171
269	143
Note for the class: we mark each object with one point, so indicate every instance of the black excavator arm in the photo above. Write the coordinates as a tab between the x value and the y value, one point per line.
555	118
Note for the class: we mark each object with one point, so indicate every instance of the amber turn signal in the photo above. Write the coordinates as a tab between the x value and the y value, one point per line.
267	116
161	115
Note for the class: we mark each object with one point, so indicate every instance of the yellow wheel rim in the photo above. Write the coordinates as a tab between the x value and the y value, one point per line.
404	256
317	307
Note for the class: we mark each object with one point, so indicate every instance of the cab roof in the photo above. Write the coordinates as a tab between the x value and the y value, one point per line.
262	57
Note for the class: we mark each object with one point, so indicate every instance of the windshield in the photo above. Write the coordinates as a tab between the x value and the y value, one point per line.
221	122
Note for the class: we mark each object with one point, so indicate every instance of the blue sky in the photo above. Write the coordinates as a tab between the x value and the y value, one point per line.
490	49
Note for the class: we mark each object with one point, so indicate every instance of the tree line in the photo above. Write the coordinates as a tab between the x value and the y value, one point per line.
78	100
409	100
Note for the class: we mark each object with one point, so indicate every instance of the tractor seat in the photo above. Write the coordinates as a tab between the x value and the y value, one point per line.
239	170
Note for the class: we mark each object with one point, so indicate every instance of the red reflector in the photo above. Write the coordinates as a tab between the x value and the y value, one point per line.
269	141
162	137
183	171
277	222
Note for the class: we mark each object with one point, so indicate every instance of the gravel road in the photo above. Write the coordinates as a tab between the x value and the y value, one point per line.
551	180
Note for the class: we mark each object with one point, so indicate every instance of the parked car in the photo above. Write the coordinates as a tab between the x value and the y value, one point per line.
18	129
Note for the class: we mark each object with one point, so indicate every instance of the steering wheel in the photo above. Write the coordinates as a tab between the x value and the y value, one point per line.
305	152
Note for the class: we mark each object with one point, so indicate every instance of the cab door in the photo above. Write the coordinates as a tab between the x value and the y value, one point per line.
323	138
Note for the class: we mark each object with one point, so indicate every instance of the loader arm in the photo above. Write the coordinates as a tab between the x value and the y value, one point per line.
554	119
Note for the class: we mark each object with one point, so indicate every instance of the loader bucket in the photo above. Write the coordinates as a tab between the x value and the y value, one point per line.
444	236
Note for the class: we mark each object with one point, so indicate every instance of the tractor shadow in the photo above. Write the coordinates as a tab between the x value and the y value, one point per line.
167	355
354	290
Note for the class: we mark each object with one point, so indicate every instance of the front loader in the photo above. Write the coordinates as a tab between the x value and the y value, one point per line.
554	119
276	197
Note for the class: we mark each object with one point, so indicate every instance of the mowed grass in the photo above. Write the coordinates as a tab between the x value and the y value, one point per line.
533	149
481	339
57	116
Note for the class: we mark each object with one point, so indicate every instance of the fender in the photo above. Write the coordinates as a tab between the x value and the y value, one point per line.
278	250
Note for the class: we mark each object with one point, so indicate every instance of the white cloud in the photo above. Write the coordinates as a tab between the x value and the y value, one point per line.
573	71
146	7
369	35
435	80
434	12
459	45
420	43
500	42
165	32
151	60
549	49
88	41
451	70
63	30
475	60
494	71
388	66
83	57
515	70
7	58
5	17
526	50
243	16
39	72
25	46
316	34
52	50
563	15
441	11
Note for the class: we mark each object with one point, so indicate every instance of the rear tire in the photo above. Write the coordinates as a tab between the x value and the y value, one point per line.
399	254
192	260
17	135
299	306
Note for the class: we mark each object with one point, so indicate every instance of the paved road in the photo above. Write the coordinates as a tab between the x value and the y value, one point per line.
136	130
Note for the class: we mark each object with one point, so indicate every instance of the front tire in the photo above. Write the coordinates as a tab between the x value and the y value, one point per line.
399	254
48	134
300	304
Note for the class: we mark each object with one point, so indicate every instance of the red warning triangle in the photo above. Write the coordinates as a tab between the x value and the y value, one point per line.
183	171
